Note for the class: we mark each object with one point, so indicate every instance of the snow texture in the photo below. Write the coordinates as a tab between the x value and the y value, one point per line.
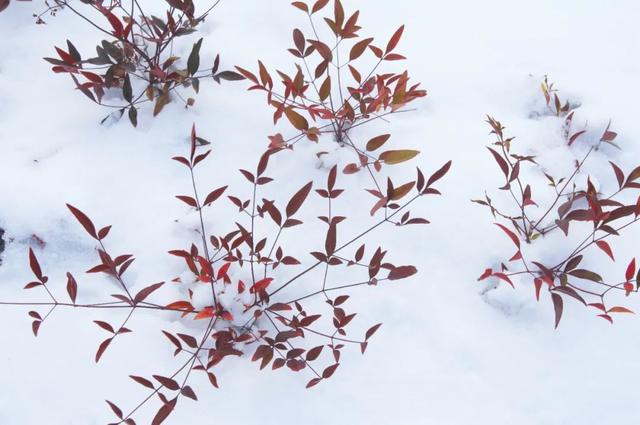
451	351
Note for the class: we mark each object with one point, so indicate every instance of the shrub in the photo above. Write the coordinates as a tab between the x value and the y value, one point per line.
576	202
329	92
248	309
135	60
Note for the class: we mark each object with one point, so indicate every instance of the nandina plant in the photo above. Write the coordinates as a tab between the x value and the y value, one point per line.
575	208
332	90
135	62
297	320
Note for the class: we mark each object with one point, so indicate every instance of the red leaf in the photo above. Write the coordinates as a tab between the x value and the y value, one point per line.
439	174
169	383
142	381
296	201
118	29
188	200
180	306
538	284
104	232
213	379
260	285
395	38
485	274
628	288
326	374
164	412
279	307
314	353
187	391
84	220
313	382
505	278
619	309
372	330
402	272
66	57
214	195
501	162
606	248
619	174
631	270
205	313
35	326
509	233
35	266
557	307
103	346
116	409
104	325
145	292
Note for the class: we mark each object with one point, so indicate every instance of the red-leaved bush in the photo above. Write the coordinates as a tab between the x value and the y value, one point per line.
329	92
575	206
250	308
136	62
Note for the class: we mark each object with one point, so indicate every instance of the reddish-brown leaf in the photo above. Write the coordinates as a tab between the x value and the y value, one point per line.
145	292
395	38
402	272
84	220
439	174
329	371
169	383
188	200
35	266
296	201
504	166
103	346
557	307
142	381
314	353
631	270
509	233
260	285
187	391
372	330
619	309
358	49
603	245
164	412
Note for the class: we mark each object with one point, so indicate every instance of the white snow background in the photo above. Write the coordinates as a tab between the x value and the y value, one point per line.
446	354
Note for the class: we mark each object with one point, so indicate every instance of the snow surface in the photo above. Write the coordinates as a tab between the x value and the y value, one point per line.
448	353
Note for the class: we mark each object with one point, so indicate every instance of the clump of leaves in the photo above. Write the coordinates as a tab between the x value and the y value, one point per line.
264	301
329	92
136	59
552	100
575	202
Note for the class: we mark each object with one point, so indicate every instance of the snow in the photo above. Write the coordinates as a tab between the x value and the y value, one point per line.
450	352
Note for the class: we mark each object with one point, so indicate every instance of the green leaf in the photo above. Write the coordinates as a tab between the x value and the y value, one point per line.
586	274
396	157
133	116
377	141
127	92
161	101
193	63
74	52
